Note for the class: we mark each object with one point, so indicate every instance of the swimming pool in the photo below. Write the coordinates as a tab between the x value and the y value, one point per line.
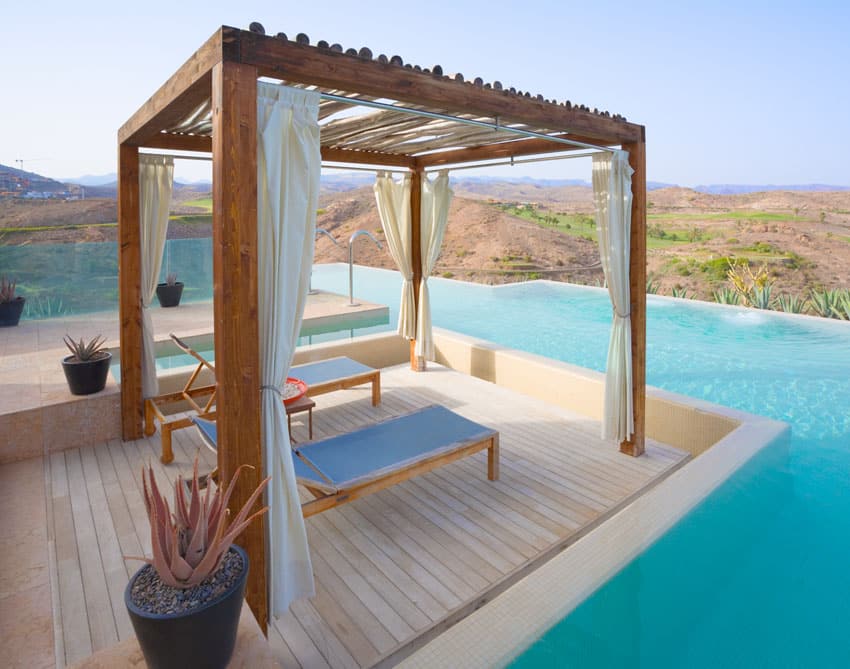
756	574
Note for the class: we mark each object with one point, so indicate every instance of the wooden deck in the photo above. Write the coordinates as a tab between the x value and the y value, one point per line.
392	570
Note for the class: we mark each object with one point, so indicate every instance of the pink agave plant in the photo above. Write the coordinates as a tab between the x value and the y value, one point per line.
190	544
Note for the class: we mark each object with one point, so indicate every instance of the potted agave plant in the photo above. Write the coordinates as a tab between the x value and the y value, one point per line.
11	306
185	603
169	293
87	367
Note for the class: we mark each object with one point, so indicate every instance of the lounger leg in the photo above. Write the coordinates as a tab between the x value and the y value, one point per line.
150	428
376	390
165	437
493	459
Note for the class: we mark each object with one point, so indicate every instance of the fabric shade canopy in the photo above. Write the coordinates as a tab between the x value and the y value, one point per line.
436	197
612	194
288	171
156	180
393	199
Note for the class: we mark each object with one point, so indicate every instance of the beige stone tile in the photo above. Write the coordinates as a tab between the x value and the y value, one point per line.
18	361
19	395
22	485
23	561
26	629
22	435
81	421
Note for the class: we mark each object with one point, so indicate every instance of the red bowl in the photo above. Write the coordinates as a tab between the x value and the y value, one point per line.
302	390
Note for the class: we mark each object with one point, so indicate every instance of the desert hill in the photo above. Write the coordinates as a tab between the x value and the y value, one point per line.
482	243
503	231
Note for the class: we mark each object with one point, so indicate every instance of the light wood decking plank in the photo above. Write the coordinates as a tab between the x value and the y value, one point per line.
388	563
322	634
364	568
405	562
380	603
115	571
304	652
340	610
98	604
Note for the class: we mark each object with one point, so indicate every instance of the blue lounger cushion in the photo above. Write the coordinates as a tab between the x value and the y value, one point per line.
354	458
317	373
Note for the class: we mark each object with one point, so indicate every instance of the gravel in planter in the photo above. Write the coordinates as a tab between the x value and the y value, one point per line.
150	594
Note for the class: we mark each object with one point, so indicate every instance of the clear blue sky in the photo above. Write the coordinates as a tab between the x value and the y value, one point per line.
730	92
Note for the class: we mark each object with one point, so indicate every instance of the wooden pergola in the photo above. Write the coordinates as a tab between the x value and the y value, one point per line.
210	105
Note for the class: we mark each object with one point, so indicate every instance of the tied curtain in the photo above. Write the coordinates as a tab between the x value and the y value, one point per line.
612	194
436	196
393	199
288	170
156	180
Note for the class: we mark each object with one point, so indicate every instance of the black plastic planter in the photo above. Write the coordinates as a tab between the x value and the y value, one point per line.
169	295
204	637
85	378
10	312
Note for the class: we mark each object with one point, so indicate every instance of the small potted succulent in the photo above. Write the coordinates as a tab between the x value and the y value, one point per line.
11	306
185	603
169	293
87	367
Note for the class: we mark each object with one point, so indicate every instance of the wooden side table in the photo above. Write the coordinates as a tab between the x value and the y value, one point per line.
300	405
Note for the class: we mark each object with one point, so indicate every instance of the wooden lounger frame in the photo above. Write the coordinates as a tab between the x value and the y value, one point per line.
188	394
488	439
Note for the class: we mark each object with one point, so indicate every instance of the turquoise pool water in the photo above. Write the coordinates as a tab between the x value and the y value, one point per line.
756	575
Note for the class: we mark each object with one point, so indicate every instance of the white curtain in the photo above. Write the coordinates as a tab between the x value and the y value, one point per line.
612	194
393	200
156	178
436	197
288	170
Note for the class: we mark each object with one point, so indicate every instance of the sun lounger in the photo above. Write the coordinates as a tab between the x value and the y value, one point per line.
190	394
340	469
332	374
321	377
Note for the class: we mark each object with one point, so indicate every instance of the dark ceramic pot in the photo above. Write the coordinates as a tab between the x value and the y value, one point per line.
10	312
204	637
169	296
85	378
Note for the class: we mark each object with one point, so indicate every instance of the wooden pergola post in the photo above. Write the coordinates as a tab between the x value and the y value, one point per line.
637	276
130	292
417	363
237	354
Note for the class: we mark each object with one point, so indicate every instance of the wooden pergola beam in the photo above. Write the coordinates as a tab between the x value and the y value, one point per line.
300	63
366	157
184	91
502	150
175	142
235	298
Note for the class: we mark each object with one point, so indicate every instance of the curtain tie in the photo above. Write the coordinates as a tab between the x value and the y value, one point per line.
619	315
274	389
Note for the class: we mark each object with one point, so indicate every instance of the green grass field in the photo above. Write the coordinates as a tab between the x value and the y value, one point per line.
192	219
584	226
203	203
70	226
730	216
